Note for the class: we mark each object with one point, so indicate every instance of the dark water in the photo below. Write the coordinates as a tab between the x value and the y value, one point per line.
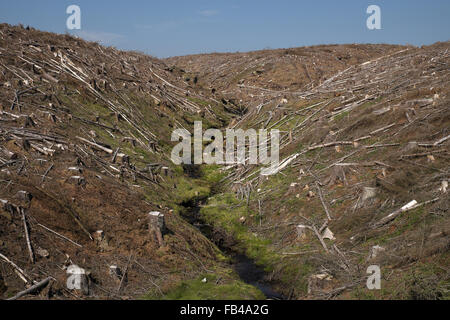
252	274
245	267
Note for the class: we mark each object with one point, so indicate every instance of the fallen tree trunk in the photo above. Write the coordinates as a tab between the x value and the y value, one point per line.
96	145
407	207
32	289
27	235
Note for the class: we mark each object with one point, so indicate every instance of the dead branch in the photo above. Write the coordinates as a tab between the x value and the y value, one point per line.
330	144
409	206
18	270
46	173
96	145
319	191
441	140
27	234
59	235
32	289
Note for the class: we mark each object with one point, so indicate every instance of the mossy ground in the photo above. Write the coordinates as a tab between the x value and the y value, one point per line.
212	287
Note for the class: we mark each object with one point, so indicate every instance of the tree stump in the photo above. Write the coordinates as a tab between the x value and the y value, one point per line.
301	232
157	226
24	196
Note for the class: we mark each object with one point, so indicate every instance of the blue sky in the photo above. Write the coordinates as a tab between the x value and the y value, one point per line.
176	27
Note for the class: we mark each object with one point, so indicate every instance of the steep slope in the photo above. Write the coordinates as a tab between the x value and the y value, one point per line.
84	157
250	78
363	174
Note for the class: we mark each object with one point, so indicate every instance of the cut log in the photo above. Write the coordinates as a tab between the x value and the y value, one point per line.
441	140
27	235
75	169
323	202
32	289
407	207
59	235
22	275
374	251
102	148
368	194
165	171
42	252
115	272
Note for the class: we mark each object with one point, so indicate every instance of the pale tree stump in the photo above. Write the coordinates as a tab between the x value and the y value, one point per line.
157	226
301	231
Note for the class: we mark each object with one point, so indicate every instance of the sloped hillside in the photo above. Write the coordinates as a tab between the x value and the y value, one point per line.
363	176
84	157
249	78
85	149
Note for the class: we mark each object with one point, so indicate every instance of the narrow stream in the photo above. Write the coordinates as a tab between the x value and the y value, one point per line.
245	267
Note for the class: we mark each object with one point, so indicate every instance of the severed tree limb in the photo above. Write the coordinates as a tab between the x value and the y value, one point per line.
96	145
382	145
383	128
405	208
27	234
18	270
424	154
31	289
113	160
313	228
59	235
46	172
124	273
330	144
323	202
441	140
340	160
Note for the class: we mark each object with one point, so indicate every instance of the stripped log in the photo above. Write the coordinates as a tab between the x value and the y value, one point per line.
59	235
46	173
22	275
300	233
330	144
102	148
319	191
407	207
32	289
27	234
441	140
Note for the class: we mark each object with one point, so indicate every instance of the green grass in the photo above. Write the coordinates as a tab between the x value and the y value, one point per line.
224	211
212	289
191	190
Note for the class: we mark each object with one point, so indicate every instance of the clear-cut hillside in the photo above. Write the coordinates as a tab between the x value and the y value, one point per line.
85	156
364	167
